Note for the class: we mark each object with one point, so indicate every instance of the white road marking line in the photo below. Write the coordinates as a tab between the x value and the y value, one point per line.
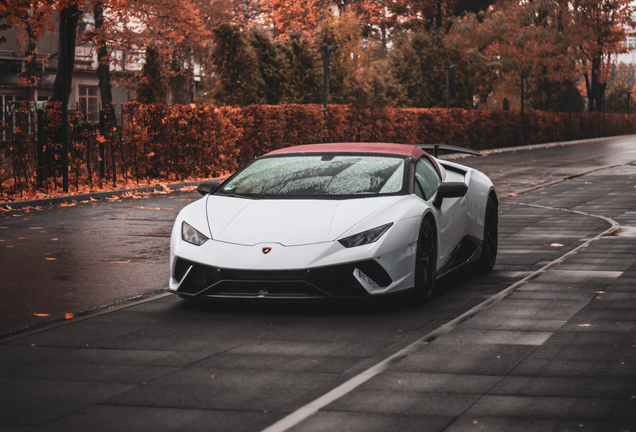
312	408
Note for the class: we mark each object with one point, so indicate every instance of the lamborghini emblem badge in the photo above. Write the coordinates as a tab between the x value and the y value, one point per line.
267	250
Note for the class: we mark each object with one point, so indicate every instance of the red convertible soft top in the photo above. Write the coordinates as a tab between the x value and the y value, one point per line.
386	148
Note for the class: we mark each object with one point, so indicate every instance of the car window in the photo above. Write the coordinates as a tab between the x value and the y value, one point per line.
319	175
426	177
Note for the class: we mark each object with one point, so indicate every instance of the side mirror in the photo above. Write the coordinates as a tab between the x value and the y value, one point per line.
208	186
450	190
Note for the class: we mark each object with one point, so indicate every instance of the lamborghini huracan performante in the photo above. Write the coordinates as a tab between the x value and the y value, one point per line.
330	221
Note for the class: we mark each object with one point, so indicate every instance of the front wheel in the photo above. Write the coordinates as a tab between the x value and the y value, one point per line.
491	238
425	262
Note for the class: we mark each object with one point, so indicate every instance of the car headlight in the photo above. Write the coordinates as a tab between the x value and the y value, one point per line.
191	235
366	237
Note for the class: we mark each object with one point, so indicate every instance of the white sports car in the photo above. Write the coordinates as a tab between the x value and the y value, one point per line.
327	221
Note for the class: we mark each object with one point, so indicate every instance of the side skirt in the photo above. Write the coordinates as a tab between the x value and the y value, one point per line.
467	251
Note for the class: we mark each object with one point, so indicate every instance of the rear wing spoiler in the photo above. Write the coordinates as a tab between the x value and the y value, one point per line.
447	148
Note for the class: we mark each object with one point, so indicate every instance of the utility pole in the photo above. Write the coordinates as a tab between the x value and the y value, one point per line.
448	68
325	72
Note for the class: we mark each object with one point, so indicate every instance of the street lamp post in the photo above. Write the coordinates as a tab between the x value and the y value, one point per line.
603	107
570	108
522	119
448	68
325	72
64	134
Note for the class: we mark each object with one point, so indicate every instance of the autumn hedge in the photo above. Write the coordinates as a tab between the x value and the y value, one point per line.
158	143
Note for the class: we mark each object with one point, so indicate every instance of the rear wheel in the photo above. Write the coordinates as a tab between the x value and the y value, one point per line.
425	262
491	238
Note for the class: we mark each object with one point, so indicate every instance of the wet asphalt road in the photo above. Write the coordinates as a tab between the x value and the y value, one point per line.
519	171
72	259
556	354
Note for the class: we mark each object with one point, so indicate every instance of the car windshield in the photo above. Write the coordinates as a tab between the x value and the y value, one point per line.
319	176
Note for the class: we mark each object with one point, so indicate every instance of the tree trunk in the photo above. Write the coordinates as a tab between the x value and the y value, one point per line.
31	65
66	54
588	89
595	88
103	68
192	85
438	15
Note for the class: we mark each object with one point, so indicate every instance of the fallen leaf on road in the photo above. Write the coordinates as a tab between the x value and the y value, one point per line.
585	325
187	188
51	259
68	315
600	292
41	314
54	239
71	204
556	245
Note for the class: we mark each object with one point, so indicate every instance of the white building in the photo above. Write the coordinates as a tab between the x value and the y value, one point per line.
84	95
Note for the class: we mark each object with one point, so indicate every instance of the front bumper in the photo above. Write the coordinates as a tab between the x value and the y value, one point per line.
336	281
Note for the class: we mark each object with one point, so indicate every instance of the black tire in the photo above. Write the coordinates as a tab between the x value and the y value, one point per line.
425	261
490	244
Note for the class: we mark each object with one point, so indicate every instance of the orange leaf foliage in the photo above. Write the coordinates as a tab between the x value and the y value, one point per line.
204	141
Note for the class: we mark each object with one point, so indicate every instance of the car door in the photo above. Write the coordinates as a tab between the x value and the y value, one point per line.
450	217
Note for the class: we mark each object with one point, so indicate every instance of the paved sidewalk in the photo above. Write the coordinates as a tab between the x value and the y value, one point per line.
557	354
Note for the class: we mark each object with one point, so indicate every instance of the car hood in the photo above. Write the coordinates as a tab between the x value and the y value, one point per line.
288	222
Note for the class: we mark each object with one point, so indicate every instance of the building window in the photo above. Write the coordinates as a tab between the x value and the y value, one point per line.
88	103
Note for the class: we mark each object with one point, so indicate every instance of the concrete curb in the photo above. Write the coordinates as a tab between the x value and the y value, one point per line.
535	146
17	205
